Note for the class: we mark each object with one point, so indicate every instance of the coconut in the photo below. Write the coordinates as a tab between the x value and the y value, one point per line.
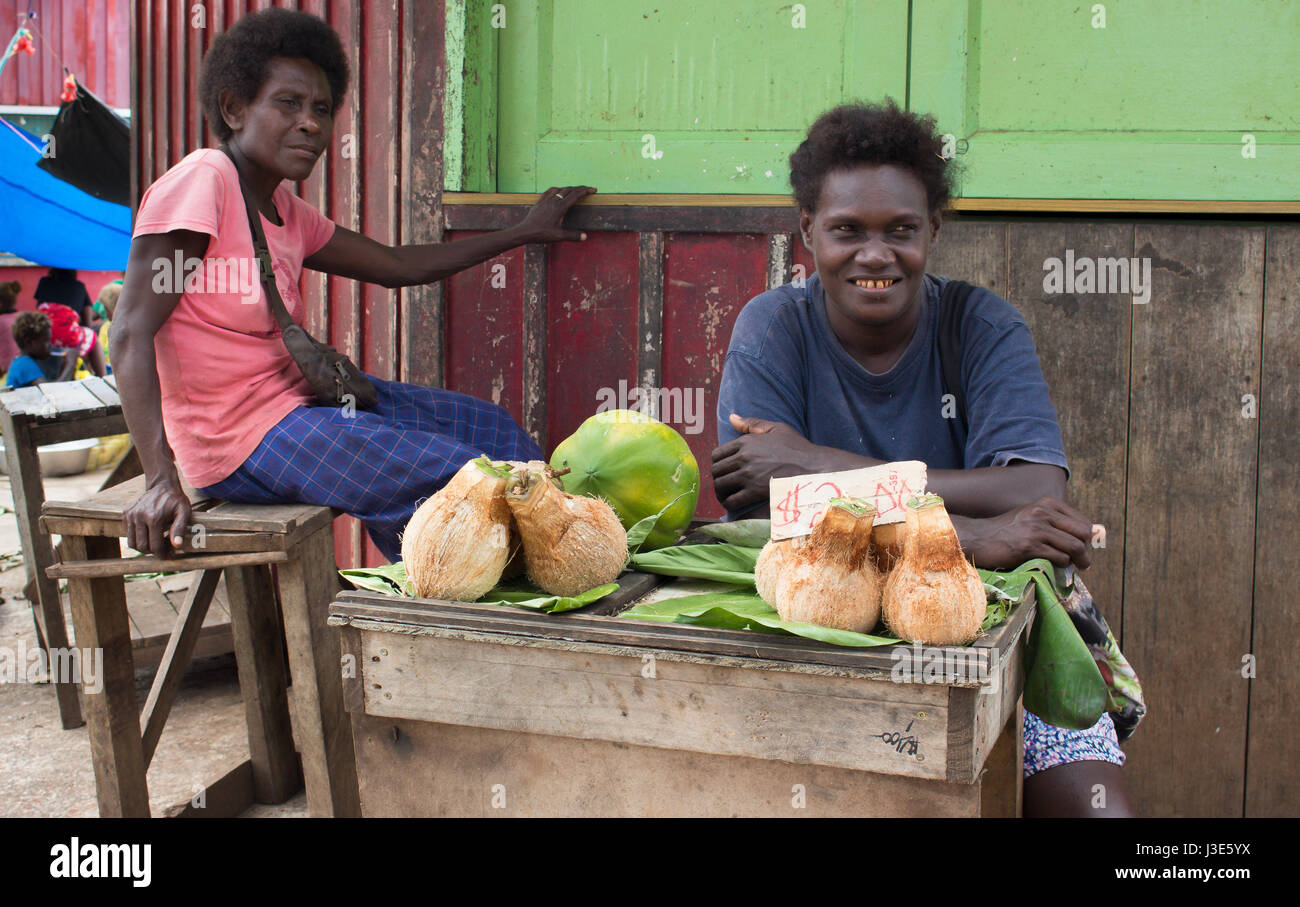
457	543
571	543
933	596
771	562
828	577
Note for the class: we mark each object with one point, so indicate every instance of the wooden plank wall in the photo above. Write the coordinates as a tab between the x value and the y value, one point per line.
1192	485
88	36
382	174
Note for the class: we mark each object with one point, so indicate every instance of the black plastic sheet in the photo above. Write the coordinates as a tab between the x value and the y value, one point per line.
92	147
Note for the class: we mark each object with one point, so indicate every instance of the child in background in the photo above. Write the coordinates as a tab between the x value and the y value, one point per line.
66	331
8	315
105	304
37	363
64	300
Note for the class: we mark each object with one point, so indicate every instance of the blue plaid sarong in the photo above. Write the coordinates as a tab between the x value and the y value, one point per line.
375	464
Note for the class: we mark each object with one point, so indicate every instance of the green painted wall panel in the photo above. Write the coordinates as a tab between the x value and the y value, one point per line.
1154	67
724	89
1155	105
676	96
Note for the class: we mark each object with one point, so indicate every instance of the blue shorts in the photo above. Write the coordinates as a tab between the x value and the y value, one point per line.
376	464
1047	746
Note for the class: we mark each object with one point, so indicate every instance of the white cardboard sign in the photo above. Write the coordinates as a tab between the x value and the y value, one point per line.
797	502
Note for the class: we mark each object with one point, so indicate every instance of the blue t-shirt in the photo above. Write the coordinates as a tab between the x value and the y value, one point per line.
785	364
24	370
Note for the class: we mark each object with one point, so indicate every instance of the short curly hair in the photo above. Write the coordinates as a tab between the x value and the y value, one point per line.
29	326
239	58
873	134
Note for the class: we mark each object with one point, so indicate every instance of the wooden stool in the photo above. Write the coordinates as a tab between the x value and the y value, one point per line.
51	413
243	540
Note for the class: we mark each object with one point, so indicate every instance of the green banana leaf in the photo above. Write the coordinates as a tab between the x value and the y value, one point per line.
723	563
525	595
749	533
390	579
1062	683
735	610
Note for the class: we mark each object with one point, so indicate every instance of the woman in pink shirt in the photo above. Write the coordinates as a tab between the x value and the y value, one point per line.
208	389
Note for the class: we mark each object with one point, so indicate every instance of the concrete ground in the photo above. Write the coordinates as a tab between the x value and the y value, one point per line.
45	770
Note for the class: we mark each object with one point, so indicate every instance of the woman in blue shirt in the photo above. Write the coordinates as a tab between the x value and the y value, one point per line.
844	371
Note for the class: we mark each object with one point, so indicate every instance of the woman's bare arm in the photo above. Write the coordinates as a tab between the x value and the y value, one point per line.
162	513
1004	515
350	254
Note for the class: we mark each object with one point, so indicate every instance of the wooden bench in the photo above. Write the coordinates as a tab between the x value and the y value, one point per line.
243	541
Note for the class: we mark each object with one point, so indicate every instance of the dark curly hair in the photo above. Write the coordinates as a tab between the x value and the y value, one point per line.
855	134
238	59
29	326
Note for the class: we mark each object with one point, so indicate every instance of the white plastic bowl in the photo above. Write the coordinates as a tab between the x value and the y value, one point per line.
67	459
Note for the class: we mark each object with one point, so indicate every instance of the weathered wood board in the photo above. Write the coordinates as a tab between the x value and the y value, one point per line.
416	768
1191	514
1272	783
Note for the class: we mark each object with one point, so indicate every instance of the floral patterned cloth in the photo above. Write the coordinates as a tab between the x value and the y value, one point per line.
1047	746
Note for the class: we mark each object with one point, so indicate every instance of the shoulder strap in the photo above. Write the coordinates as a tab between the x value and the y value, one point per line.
264	266
952	308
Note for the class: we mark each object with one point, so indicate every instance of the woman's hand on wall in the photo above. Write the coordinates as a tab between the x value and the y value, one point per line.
543	221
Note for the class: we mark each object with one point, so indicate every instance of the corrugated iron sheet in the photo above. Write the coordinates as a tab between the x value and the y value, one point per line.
90	37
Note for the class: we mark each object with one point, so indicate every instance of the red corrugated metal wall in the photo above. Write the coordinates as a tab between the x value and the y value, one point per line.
381	176
89	37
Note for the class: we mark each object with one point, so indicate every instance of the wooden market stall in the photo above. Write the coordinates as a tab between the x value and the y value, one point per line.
467	710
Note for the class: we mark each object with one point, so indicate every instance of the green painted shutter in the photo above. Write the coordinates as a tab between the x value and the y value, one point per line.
673	96
1166	101
1158	104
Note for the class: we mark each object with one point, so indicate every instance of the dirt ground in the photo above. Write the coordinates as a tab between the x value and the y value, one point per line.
46	771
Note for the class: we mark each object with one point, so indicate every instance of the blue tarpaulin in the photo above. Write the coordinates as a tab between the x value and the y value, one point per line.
53	223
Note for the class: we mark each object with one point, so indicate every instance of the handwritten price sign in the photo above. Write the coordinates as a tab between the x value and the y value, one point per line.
797	502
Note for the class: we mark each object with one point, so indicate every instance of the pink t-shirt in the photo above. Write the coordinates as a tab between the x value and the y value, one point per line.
226	377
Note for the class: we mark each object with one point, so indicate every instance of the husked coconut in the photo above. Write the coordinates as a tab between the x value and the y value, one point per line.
933	596
828	577
571	543
457	543
771	562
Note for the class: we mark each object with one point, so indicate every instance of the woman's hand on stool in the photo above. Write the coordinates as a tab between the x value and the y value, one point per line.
158	517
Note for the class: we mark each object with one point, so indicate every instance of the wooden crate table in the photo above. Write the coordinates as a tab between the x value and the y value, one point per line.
243	541
478	710
52	413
